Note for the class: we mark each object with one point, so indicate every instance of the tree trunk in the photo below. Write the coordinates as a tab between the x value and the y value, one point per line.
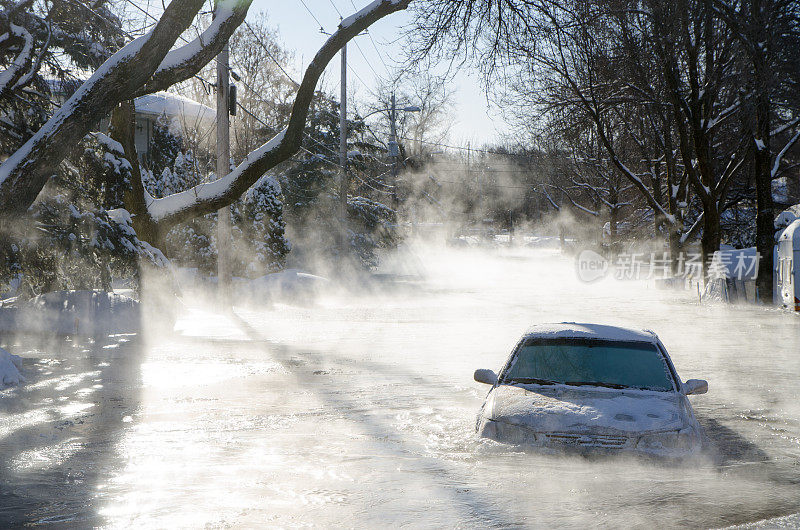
765	216
710	241
675	249
123	130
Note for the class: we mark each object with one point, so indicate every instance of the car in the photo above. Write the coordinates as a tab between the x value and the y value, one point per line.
591	388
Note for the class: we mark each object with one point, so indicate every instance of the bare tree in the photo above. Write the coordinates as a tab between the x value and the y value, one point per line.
593	57
766	30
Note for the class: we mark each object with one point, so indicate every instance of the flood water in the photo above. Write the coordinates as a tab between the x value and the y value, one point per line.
359	411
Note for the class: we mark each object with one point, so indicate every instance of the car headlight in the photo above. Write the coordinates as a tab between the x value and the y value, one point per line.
670	441
505	432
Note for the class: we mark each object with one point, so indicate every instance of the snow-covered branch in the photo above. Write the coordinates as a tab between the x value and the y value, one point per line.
209	197
16	69
693	230
784	127
182	63
779	156
550	199
25	172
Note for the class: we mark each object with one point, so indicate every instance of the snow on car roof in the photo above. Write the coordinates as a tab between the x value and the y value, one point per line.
588	331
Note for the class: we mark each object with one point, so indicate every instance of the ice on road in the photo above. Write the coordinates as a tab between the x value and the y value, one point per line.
360	412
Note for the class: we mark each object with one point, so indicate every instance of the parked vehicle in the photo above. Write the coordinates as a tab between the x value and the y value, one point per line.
590	387
787	271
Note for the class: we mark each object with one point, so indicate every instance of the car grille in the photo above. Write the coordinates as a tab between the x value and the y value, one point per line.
586	440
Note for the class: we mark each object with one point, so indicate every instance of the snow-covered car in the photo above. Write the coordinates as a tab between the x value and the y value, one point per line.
591	388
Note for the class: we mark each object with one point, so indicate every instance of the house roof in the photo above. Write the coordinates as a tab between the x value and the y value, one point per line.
173	106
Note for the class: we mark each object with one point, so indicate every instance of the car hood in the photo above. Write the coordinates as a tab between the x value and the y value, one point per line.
567	409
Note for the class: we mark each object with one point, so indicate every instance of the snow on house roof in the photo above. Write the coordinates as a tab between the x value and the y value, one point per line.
565	330
174	106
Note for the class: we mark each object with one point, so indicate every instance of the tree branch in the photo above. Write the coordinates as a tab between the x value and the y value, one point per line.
209	197
184	62
25	172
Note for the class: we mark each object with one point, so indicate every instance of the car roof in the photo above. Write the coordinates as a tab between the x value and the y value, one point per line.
563	330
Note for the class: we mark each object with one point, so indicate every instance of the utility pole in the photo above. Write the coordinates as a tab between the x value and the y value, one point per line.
394	152
223	167
343	145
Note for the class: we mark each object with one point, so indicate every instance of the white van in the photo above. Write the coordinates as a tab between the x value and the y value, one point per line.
787	267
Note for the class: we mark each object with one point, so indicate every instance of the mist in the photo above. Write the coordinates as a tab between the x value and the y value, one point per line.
359	406
270	313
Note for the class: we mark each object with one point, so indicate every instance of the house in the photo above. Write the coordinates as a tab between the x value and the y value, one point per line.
185	115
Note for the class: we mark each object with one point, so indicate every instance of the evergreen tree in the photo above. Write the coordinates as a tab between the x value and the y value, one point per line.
259	218
310	186
78	236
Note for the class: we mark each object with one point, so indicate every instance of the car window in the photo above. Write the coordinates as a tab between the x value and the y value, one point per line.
614	364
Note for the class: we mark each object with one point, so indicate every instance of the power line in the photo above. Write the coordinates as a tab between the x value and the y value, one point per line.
266	50
321	27
374	45
336	8
365	57
460	148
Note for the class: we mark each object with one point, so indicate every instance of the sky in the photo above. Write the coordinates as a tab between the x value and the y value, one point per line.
473	122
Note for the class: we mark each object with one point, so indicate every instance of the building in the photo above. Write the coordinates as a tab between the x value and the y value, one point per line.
185	116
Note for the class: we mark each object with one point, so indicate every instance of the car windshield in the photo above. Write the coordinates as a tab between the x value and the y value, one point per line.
590	362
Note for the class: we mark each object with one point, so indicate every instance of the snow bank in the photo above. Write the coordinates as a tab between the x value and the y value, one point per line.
73	312
10	365
588	331
287	285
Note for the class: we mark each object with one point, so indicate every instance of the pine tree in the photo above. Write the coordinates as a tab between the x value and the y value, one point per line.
259	218
79	237
311	189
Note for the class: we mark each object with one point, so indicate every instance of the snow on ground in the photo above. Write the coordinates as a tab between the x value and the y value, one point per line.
362	410
10	366
87	312
788	521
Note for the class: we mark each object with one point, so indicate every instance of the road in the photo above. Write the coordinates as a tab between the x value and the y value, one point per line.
359	411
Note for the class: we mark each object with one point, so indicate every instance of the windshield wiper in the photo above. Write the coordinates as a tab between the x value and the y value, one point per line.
595	383
532	381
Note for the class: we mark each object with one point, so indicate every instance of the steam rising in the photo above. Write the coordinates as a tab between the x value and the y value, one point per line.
352	400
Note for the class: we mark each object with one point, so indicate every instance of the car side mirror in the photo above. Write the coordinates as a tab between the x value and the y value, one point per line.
483	375
695	386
